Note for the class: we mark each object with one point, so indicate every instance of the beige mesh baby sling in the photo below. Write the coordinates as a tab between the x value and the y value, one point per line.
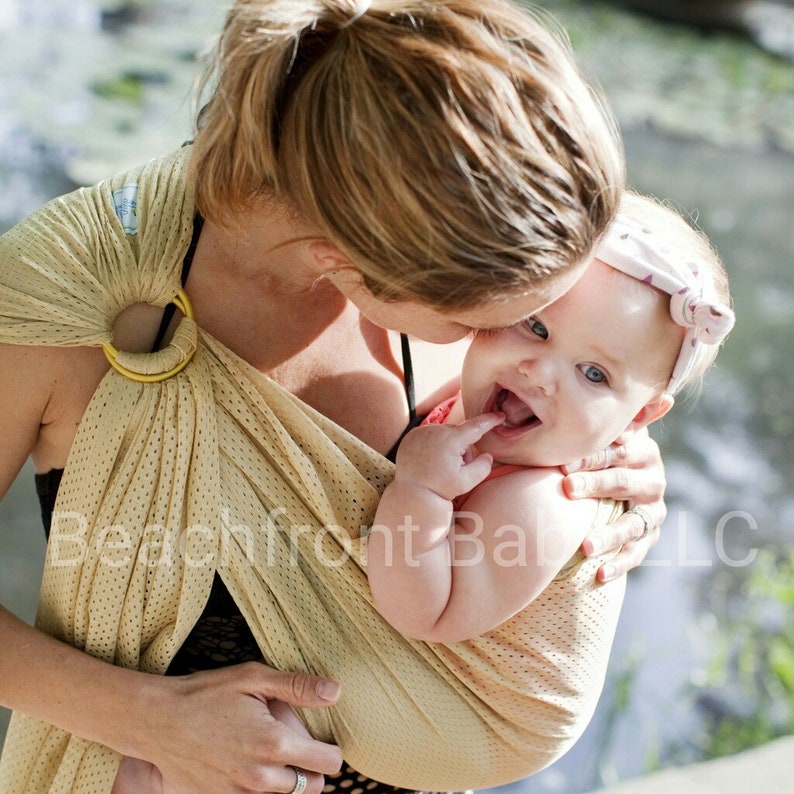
217	468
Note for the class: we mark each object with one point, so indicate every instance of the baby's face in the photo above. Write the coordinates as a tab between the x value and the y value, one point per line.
573	377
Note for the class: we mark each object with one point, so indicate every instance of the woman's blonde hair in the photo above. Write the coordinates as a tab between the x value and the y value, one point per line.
450	148
684	241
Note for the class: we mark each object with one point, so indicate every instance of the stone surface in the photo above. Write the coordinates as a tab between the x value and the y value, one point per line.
766	770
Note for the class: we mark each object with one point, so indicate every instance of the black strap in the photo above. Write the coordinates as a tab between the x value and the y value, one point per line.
47	489
408	375
168	312
410	394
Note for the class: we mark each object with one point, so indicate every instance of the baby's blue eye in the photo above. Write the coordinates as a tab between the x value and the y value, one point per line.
594	374
537	328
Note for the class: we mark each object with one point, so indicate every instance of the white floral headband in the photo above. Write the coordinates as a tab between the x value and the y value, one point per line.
635	250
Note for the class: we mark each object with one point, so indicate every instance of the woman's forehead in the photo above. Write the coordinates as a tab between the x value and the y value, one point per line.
506	311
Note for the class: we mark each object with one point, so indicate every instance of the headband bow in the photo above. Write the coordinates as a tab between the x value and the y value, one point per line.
636	251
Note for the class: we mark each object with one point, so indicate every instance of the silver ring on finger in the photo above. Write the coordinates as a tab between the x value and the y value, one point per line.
300	781
608	454
647	520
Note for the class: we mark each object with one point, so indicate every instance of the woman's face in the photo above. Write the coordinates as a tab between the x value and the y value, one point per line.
433	325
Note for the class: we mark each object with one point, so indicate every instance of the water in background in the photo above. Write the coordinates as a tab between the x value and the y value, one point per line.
709	123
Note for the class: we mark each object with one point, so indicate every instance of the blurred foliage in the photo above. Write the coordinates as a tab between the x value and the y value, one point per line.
616	703
127	88
714	86
113	89
745	692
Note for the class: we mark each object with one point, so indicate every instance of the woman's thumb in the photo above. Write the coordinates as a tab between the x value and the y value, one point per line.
299	689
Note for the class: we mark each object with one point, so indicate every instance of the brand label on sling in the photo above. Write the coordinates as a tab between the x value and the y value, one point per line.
125	201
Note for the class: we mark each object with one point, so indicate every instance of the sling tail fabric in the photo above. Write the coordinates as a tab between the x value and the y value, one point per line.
218	468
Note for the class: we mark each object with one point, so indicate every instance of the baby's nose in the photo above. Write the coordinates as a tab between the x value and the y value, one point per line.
540	372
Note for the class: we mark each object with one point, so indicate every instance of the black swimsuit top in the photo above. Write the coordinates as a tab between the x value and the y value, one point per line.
221	636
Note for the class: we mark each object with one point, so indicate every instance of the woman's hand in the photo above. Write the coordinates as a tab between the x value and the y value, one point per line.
632	471
217	734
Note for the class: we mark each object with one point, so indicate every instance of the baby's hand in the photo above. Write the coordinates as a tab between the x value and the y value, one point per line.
442	458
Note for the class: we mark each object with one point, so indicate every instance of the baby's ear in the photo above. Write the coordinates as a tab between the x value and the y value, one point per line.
652	411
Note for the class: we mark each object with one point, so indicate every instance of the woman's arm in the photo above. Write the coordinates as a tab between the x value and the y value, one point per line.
209	732
631	471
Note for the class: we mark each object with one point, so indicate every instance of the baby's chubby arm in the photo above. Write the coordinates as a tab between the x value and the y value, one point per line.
443	580
410	548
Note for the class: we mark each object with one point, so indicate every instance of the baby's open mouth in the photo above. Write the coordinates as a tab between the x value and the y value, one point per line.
517	412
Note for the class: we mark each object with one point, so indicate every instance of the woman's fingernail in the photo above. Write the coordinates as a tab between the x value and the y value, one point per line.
596	544
576	484
607	573
577	466
329	690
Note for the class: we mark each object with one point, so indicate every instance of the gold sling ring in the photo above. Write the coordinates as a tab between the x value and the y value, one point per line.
182	302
